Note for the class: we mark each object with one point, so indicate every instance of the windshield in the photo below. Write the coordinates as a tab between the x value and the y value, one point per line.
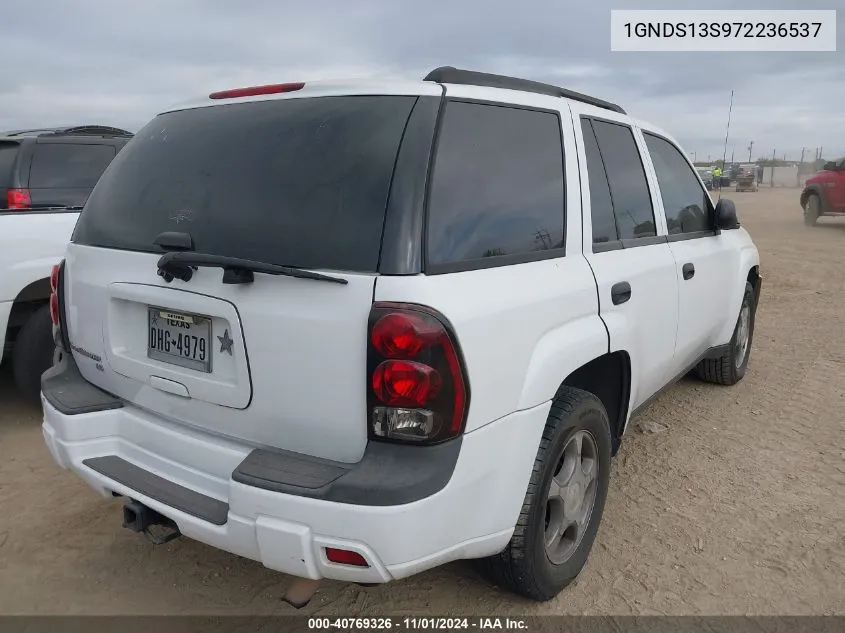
294	182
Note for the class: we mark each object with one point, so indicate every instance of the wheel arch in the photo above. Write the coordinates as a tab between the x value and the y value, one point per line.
608	378
814	189
31	297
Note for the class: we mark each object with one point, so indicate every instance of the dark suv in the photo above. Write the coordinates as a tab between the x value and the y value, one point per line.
55	167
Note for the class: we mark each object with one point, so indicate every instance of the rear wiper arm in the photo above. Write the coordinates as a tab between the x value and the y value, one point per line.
181	265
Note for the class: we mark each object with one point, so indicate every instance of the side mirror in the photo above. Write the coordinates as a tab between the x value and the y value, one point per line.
725	217
831	166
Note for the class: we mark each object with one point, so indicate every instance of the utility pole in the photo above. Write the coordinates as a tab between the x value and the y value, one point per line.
821	152
733	150
773	167
803	149
750	147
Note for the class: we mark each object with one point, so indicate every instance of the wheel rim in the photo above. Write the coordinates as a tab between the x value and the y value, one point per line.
571	497
743	331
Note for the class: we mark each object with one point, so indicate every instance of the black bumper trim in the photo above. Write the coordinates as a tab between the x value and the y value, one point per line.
388	474
66	389
158	488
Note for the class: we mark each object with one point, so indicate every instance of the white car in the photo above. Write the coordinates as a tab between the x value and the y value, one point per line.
358	330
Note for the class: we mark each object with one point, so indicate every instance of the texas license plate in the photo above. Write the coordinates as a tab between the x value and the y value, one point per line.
179	339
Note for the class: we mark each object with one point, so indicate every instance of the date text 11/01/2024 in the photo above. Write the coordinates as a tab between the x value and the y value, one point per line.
423	623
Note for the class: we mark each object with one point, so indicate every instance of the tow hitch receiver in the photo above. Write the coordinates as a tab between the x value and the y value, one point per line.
139	518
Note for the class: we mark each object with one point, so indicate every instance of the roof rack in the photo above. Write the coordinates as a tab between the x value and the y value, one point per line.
93	130
451	75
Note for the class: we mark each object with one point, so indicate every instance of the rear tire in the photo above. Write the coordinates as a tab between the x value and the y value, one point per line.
812	210
731	366
33	353
526	565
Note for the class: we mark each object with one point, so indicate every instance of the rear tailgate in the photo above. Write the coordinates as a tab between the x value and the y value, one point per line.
279	361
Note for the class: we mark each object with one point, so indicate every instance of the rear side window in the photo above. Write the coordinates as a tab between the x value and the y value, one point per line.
601	204
497	187
296	182
68	166
8	153
626	175
685	201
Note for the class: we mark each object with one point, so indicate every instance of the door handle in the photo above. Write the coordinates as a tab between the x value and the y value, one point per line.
688	271
620	292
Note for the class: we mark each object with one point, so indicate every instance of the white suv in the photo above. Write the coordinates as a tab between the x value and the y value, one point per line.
359	330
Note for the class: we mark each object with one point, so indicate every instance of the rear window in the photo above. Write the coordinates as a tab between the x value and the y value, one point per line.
68	166
8	152
297	182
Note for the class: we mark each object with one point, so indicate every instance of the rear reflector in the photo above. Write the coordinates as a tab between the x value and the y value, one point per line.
18	199
270	89
345	557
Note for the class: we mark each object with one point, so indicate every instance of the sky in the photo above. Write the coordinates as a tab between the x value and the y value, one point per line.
119	62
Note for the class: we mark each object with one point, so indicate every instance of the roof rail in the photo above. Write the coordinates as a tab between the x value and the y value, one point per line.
451	75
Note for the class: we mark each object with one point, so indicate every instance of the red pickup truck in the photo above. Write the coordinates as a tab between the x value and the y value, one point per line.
824	193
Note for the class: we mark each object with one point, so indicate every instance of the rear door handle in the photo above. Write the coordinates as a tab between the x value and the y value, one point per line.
620	292
688	271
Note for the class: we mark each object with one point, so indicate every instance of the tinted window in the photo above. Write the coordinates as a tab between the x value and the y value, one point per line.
497	186
628	186
62	165
8	152
684	200
298	182
601	204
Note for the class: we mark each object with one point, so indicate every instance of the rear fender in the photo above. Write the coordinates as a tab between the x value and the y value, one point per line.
557	354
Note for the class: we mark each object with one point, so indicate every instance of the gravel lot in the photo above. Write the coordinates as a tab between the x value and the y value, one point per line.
738	507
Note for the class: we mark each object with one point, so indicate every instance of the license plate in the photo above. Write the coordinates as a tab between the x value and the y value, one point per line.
179	339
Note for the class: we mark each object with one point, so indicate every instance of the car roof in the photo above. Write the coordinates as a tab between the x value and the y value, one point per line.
432	84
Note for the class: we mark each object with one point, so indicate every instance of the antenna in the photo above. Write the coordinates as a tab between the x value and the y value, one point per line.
727	133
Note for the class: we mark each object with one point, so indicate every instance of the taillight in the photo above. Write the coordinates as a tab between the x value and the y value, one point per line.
55	313
417	390
18	199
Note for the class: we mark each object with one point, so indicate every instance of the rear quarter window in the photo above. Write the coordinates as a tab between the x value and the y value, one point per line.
8	154
299	182
497	189
68	166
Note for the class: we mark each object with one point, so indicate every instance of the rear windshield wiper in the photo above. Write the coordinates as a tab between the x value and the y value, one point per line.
181	265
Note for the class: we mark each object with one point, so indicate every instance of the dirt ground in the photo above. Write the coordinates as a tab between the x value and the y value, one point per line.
737	508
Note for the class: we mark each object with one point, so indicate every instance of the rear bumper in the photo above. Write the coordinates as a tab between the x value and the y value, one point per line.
252	504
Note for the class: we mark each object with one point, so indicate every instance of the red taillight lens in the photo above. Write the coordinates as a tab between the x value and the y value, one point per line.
254	91
345	557
417	390
401	383
54	308
54	294
18	199
403	335
54	279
